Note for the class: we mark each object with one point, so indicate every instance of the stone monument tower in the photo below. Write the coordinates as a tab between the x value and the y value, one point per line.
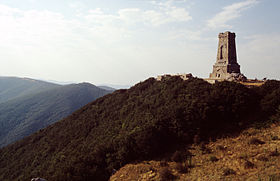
226	66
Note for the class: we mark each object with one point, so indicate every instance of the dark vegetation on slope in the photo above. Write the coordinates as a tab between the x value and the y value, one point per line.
14	87
148	120
25	115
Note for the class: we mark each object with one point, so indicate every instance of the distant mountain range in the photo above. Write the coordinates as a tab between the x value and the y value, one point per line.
110	86
114	86
13	87
28	105
107	88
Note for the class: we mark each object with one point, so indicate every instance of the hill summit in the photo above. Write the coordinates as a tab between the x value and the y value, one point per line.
148	121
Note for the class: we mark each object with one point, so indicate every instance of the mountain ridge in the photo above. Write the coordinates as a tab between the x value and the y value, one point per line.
13	87
147	121
26	114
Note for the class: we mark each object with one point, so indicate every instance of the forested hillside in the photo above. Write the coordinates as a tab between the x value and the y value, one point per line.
27	114
147	121
13	87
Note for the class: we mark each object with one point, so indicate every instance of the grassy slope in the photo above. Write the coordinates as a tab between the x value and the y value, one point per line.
25	115
248	160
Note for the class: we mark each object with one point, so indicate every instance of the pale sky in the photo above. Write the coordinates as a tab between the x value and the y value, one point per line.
127	41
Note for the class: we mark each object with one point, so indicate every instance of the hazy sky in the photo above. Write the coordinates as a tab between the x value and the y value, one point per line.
127	41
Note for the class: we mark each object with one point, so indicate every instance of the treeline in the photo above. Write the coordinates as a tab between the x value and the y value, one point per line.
144	122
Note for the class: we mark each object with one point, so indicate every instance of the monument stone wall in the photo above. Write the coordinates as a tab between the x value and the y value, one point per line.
226	66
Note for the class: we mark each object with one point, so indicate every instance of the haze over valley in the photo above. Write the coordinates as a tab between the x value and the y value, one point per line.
29	105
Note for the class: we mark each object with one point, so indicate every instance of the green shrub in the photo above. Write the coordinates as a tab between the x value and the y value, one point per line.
248	164
274	177
204	149
213	158
256	141
271	102
165	174
243	156
221	148
163	163
274	137
181	167
262	158
228	171
178	156
276	116
274	153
